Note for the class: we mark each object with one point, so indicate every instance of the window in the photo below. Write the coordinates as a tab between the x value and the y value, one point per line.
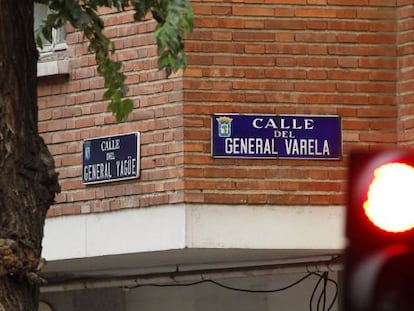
50	62
58	35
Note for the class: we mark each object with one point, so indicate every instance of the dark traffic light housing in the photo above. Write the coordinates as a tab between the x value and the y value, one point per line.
379	260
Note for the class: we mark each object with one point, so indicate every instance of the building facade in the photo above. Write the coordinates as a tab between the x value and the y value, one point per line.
190	217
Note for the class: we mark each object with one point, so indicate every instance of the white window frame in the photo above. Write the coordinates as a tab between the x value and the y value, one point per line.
58	35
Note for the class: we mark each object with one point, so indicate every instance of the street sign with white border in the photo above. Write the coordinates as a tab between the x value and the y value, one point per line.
111	158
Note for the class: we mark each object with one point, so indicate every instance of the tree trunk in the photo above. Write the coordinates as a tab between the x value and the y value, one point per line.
28	181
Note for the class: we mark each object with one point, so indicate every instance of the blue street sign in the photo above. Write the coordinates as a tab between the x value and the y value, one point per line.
276	136
111	158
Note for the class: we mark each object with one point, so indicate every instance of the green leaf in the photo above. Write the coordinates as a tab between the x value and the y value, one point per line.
174	18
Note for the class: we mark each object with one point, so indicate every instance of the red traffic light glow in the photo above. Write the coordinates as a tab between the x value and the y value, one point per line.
390	197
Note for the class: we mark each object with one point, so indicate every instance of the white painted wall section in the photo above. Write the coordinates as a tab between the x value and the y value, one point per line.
120	232
265	227
182	226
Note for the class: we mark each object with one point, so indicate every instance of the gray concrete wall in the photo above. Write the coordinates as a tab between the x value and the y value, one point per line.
202	297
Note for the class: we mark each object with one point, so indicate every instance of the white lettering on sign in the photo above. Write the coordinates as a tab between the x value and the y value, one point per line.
98	171
283	124
126	167
251	146
283	134
307	147
110	144
110	156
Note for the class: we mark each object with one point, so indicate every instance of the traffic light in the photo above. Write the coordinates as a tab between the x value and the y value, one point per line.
379	257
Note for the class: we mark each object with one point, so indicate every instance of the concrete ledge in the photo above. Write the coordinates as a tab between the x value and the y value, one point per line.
295	231
53	68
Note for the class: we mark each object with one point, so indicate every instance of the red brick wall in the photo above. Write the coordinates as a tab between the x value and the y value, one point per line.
72	109
258	56
406	73
294	57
